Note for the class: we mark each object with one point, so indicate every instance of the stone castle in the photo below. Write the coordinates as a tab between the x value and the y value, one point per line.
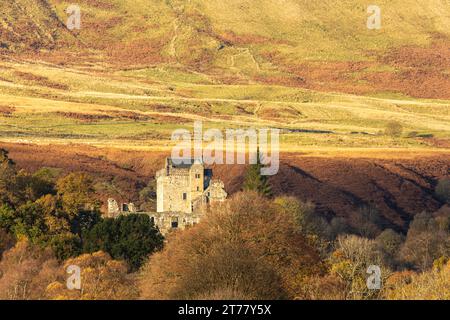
182	190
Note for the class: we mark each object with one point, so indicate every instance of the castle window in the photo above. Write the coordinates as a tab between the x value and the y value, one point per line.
175	222
198	188
197	176
184	195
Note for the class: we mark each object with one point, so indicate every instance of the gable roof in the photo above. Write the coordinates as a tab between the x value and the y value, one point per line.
183	162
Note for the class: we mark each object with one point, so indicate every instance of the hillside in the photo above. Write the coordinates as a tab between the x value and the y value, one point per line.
30	26
317	45
137	70
339	186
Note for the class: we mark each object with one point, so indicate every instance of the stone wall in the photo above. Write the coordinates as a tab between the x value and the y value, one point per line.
169	221
173	193
215	192
178	188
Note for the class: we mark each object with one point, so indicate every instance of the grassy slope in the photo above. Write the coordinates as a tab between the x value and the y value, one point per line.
323	30
26	24
233	63
55	104
322	45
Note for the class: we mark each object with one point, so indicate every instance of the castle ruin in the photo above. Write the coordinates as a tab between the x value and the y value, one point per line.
182	190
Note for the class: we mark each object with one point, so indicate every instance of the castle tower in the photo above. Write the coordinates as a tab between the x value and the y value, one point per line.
113	208
181	187
177	185
197	178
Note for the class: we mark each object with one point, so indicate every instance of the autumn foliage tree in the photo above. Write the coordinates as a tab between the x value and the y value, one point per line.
393	128
312	226
25	272
76	193
248	247
102	278
350	261
6	241
428	239
32	206
443	190
433	284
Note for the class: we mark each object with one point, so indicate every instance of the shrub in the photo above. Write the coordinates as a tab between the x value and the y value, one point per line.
428	239
102	279
443	190
366	221
350	261
393	129
430	285
26	270
389	243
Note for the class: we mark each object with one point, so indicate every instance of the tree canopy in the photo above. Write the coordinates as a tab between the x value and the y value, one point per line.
254	181
131	238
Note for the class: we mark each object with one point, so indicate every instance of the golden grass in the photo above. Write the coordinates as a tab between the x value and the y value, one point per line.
312	122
